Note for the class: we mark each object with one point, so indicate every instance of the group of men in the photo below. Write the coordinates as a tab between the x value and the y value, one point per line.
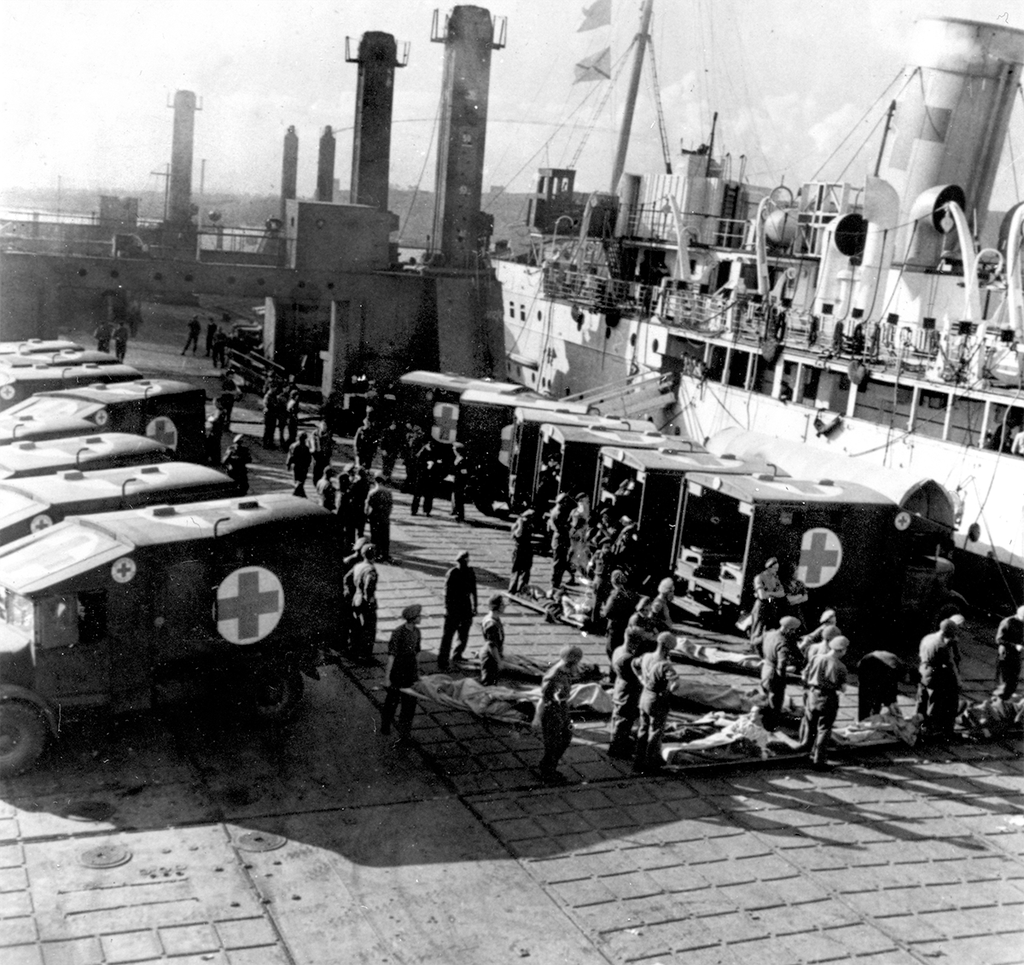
107	332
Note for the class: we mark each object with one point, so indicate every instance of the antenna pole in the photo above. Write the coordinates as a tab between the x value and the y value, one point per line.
640	41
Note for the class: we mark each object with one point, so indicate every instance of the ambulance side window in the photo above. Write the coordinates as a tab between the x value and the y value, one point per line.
59	617
92	616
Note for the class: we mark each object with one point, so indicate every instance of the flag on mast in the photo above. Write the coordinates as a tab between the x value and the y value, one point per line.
598	14
596	67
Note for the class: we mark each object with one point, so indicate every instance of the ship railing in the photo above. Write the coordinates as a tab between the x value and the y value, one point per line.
693	310
595	292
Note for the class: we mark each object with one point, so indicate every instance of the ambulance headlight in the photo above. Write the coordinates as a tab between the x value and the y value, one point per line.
21	612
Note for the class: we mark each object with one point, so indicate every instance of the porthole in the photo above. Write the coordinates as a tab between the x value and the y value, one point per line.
654	346
82	273
114	273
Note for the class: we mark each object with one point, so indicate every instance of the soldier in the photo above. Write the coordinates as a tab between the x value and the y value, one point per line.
236	461
322	445
299	458
291	417
103	334
425	478
625	696
553	710
561	541
229	395
392	443
460	482
810	640
939	688
414	437
825	679
778	653
402	672
361	589
878	678
211	335
120	336
600	574
617	611
460	604
1009	641
625	546
579	524
214	432
655	672
270	415
492	651
366	442
220	350
522	552
661	605
327	490
769	593
378	506
194	328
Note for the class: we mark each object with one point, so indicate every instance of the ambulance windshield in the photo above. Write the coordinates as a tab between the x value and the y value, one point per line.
53	553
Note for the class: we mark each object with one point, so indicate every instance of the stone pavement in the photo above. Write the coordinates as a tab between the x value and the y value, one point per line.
184	837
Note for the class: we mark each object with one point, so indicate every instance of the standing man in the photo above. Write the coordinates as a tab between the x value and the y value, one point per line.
121	340
211	335
366	442
194	328
878	681
323	449
1009	641
492	651
103	333
825	680
561	540
327	490
778	653
655	673
270	414
940	686
361	588
769	593
617	610
220	350
625	697
426	468
214	433
460	604
553	710
236	460
460	482
402	672
291	417
378	506
299	458
522	552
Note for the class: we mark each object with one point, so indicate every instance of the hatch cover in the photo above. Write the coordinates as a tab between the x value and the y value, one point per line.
260	841
105	856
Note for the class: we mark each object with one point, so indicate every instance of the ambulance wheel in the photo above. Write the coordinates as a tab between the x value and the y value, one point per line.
23	736
275	696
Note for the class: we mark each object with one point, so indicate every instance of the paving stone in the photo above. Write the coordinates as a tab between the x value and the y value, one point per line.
23	955
764	949
581	894
189	939
131	946
245	933
77	951
982	950
631	886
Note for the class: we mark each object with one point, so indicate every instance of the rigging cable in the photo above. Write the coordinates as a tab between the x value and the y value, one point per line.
419	181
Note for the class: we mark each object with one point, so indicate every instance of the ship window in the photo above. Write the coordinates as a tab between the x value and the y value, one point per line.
511	309
716	366
930	419
738	369
522	313
540	316
807	392
965	424
764	376
997	439
878	402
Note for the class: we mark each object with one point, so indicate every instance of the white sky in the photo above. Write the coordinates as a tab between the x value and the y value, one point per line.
84	86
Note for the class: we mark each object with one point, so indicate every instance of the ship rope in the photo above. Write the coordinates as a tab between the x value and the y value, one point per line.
602	104
423	169
878	99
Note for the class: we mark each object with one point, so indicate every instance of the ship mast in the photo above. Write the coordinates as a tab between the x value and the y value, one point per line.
641	40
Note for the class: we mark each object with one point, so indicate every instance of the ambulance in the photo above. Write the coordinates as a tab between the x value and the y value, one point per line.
27	507
853	548
228	599
65	357
30	346
21	460
173	413
21	382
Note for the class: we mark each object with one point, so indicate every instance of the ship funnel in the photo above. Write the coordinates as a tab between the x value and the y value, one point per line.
951	121
289	169
375	94
325	167
179	190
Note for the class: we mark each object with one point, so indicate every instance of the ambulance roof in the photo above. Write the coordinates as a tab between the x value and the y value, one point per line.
18	504
437	380
560	417
104	394
31	458
667	461
69	372
65	357
520	397
82	543
74	485
762	488
31	345
598	435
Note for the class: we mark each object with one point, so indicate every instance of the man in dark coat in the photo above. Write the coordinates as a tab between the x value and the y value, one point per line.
522	552
236	462
625	697
298	461
211	336
779	651
365	441
460	482
618	608
878	682
378	506
194	328
460	605
401	673
561	540
361	589
1009	641
271	408
427	464
939	690
322	446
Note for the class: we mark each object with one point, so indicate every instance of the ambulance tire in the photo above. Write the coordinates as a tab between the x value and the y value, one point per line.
274	696
23	735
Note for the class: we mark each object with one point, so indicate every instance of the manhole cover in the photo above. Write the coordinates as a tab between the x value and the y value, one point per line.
89	811
105	856
260	841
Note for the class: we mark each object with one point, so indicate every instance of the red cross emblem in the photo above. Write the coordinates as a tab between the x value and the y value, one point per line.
821	555
505	452
446	420
250	602
123	570
164	431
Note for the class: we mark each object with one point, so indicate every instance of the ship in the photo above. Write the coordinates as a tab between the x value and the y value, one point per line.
863	321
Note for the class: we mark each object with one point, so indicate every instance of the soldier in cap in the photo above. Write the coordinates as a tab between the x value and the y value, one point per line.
779	652
1009	641
236	463
878	682
361	589
401	673
939	689
553	710
769	593
460	482
825	680
661	605
625	695
460	605
492	651
655	672
817	635
561	541
617	611
522	552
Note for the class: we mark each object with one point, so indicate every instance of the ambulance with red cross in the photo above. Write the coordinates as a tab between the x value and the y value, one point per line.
854	549
18	382
105	450
173	413
228	599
